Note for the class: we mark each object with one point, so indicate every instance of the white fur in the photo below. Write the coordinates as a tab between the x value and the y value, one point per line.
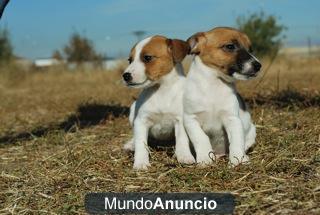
137	67
213	117
158	112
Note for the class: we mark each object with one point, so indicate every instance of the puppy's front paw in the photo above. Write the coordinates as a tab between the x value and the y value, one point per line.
204	161
141	165
185	157
235	161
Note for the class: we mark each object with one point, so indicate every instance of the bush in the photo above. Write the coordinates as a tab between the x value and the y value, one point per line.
265	33
80	50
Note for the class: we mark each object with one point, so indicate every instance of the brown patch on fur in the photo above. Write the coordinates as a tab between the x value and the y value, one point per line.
209	46
165	54
196	42
178	48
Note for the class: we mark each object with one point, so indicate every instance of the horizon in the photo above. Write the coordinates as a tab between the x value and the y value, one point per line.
36	29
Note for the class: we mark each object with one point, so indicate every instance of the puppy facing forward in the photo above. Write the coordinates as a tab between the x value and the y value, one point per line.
215	116
155	66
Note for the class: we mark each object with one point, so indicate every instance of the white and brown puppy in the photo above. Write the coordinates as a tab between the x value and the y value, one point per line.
215	116
155	66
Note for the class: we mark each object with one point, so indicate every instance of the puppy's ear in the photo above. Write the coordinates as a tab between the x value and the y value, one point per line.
178	48
196	42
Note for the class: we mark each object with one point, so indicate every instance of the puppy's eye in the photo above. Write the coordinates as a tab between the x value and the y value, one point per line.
130	60
147	58
230	47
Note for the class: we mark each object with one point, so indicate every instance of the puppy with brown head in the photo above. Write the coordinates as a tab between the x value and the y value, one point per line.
153	58
215	116
226	50
155	66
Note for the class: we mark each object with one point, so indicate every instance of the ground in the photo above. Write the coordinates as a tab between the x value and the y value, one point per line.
61	136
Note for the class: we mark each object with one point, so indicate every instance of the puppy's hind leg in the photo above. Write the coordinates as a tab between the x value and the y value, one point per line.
250	129
220	144
250	137
129	146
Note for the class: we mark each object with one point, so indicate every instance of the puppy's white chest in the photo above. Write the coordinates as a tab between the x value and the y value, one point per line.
161	110
208	101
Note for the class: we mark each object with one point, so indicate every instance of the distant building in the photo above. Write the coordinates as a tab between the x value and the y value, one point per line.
107	63
45	62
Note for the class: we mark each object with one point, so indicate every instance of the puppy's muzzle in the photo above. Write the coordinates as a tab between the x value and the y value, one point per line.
253	69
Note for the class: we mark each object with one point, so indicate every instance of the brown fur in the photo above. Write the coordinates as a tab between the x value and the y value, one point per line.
166	53
209	46
178	49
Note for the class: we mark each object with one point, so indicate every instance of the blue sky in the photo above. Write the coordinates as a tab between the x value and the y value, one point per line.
37	27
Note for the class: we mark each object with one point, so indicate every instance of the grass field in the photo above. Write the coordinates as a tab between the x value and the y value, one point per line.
61	136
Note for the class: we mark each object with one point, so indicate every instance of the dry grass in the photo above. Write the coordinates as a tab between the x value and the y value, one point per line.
61	135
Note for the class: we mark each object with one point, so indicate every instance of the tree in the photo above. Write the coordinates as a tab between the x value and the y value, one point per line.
265	33
80	49
57	55
6	50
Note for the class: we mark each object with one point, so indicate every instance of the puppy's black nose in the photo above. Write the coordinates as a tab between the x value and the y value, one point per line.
256	65
127	77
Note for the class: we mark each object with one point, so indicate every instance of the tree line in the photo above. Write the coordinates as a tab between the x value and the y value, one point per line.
265	32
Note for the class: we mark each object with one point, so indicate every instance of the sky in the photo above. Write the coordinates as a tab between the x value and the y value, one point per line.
38	27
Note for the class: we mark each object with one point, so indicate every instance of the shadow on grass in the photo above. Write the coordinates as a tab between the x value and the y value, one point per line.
287	99
92	114
87	115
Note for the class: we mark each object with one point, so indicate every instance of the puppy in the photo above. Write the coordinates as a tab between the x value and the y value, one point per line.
215	116
155	66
